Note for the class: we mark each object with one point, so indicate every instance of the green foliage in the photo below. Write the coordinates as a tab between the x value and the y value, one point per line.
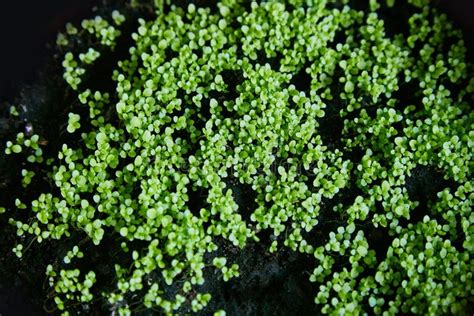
73	122
14	111
182	125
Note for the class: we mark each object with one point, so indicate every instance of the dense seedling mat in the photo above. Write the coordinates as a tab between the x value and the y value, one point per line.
202	142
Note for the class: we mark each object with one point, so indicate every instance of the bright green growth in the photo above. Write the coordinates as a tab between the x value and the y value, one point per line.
90	56
14	111
73	122
27	145
73	72
18	250
27	176
200	106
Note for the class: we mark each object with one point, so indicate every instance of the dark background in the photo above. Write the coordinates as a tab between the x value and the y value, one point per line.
26	26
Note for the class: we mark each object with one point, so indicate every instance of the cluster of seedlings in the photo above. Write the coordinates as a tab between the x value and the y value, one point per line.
325	111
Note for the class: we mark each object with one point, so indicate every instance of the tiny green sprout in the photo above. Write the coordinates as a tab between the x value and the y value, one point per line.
18	250
118	17
219	262
372	301
27	177
90	56
71	29
14	111
231	272
16	149
200	302
62	40
124	231
73	122
349	87
19	204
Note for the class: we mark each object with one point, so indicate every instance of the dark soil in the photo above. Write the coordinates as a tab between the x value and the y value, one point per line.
269	284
